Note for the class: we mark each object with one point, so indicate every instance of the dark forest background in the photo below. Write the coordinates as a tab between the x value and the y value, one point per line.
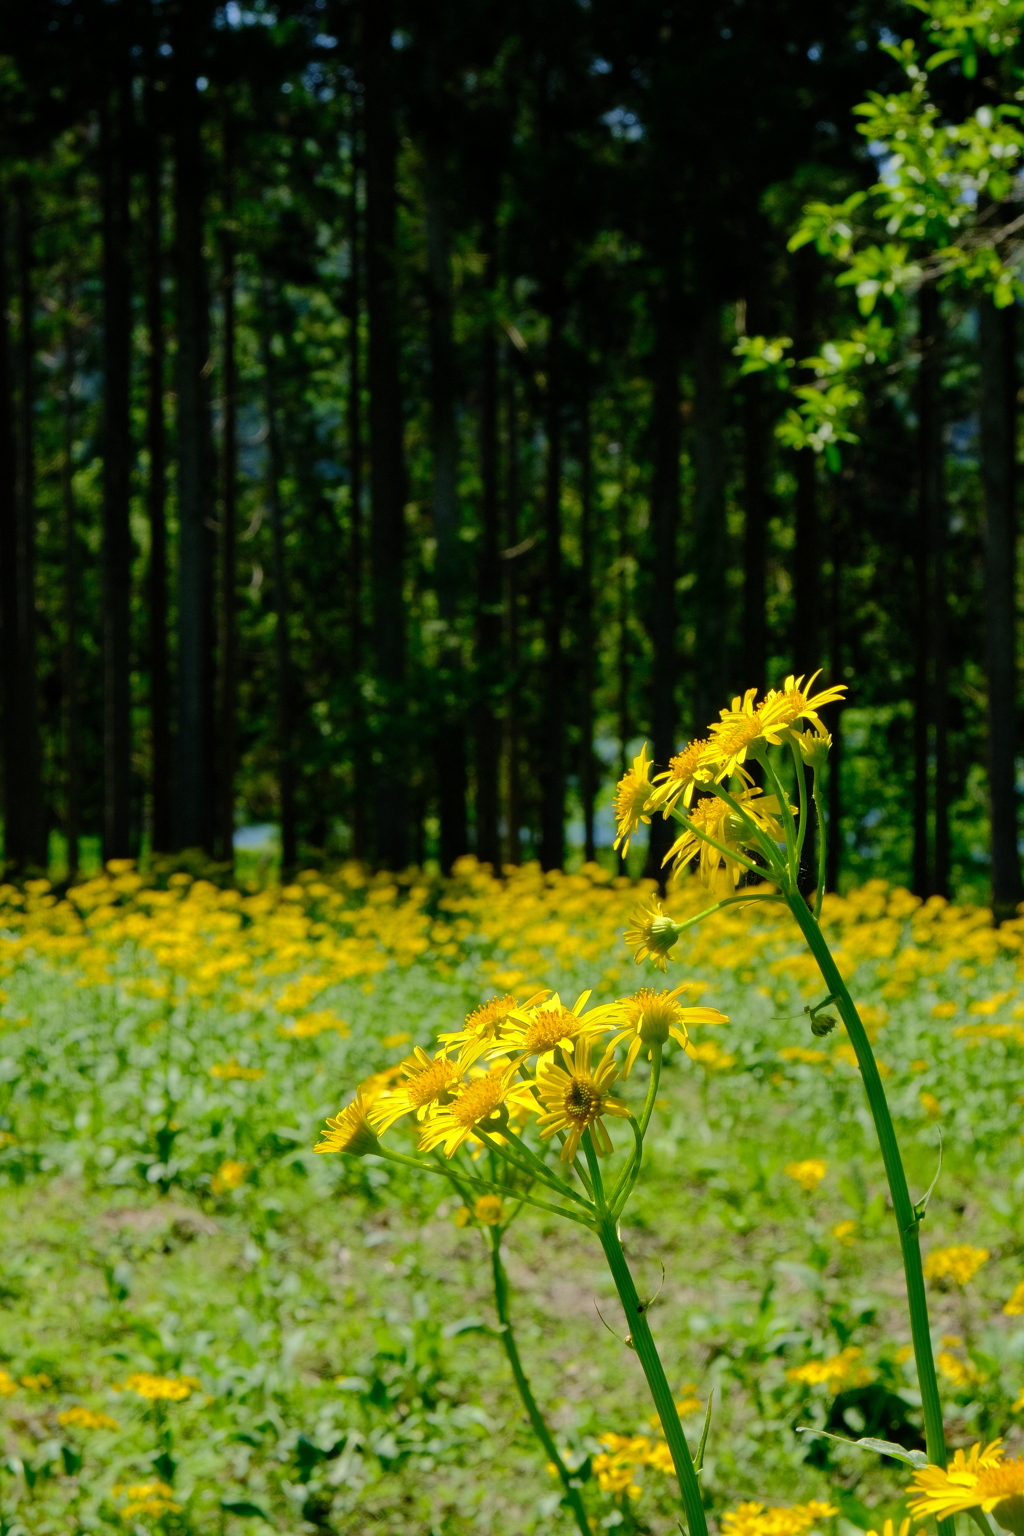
375	459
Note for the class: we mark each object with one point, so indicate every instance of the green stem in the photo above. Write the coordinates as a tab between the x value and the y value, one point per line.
819	811
733	854
801	796
907	1220
501	1303
769	850
786	811
657	1050
643	1343
478	1183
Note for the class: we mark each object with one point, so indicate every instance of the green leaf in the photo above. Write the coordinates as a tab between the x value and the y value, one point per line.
869	1443
244	1509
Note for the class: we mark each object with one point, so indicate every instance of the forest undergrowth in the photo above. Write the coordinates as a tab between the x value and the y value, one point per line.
205	1327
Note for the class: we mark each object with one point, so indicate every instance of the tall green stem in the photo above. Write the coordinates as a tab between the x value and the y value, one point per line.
537	1423
642	1341
907	1220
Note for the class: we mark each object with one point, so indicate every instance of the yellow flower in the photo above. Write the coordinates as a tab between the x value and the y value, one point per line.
632	793
37	1383
717	820
652	933
755	1520
889	1530
538	1031
981	1479
689	1402
814	749
930	1104
1019	1402
231	1072
575	1099
747	723
8	1385
961	1373
808	1173
844	1232
350	1131
489	1210
652	1017
428	1081
489	1022
230	1175
959	1264
482	1102
1015	1306
710	1054
614	1468
680	779
85	1418
171	1389
836	1373
147	1499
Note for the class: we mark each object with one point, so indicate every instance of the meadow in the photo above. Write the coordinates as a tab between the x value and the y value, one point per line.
206	1327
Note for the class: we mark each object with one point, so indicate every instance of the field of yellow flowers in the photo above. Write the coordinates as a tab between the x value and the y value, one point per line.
204	1327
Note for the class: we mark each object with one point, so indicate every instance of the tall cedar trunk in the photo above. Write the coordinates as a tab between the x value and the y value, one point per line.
512	724
930	626
665	500
755	536
387	464
227	610
807	557
24	819
489	606
70	667
834	715
449	725
552	745
282	623
156	499
588	765
622	668
710	665
354	416
998	472
194	775
115	124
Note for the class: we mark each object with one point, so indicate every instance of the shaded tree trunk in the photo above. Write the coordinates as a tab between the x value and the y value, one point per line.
387	464
588	766
666	447
513	738
709	523
282	626
754	670
996	335
623	650
354	414
194	775
24	818
552	833
156	499
807	556
489	605
930	799
227	610
70	668
115	125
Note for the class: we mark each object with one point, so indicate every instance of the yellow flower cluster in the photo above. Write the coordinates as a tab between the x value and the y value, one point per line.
982	1478
808	1172
86	1418
623	1456
171	1389
152	1499
478	1084
759	1520
837	1373
959	1264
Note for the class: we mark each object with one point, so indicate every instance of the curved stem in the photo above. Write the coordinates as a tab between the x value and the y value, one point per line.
907	1219
478	1183
627	1179
769	849
786	811
732	854
801	792
819	812
643	1343
537	1423
657	1052
537	1165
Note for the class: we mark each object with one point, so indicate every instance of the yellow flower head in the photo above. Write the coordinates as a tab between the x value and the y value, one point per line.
489	1022
757	1520
888	1529
632	793
981	1479
8	1385
746	724
814	749
482	1102
808	1173
537	1031
717	820
350	1131
85	1418
651	933
429	1080
1015	1306
230	1175
169	1389
153	1499
576	1096
680	778
489	1210
230	1072
614	1467
651	1018
837	1373
959	1264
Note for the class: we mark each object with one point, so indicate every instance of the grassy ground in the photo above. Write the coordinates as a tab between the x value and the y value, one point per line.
166	1060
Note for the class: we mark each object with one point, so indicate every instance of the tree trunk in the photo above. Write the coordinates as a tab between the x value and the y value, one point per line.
194	775
282	632
115	126
665	501
512	723
755	537
807	557
929	800
552	835
999	472
72	706
354	413
387	463
711	671
588	661
156	498
450	728
489	608
834	713
227	615
623	655
24	818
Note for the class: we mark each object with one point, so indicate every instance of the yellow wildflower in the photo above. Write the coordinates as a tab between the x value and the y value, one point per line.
8	1385
350	1131
86	1418
153	1498
808	1173
614	1468
888	1529
680	778
651	1018
483	1102
489	1022
575	1099
538	1031
944	1010
710	1054
171	1389
632	793
961	1373
689	1402
1015	1306
959	1264
230	1175
756	1520
844	1232
981	1479
930	1104
804	1053
428	1081
229	1071
651	933
837	1373
1018	1404
715	819
489	1210
740	727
